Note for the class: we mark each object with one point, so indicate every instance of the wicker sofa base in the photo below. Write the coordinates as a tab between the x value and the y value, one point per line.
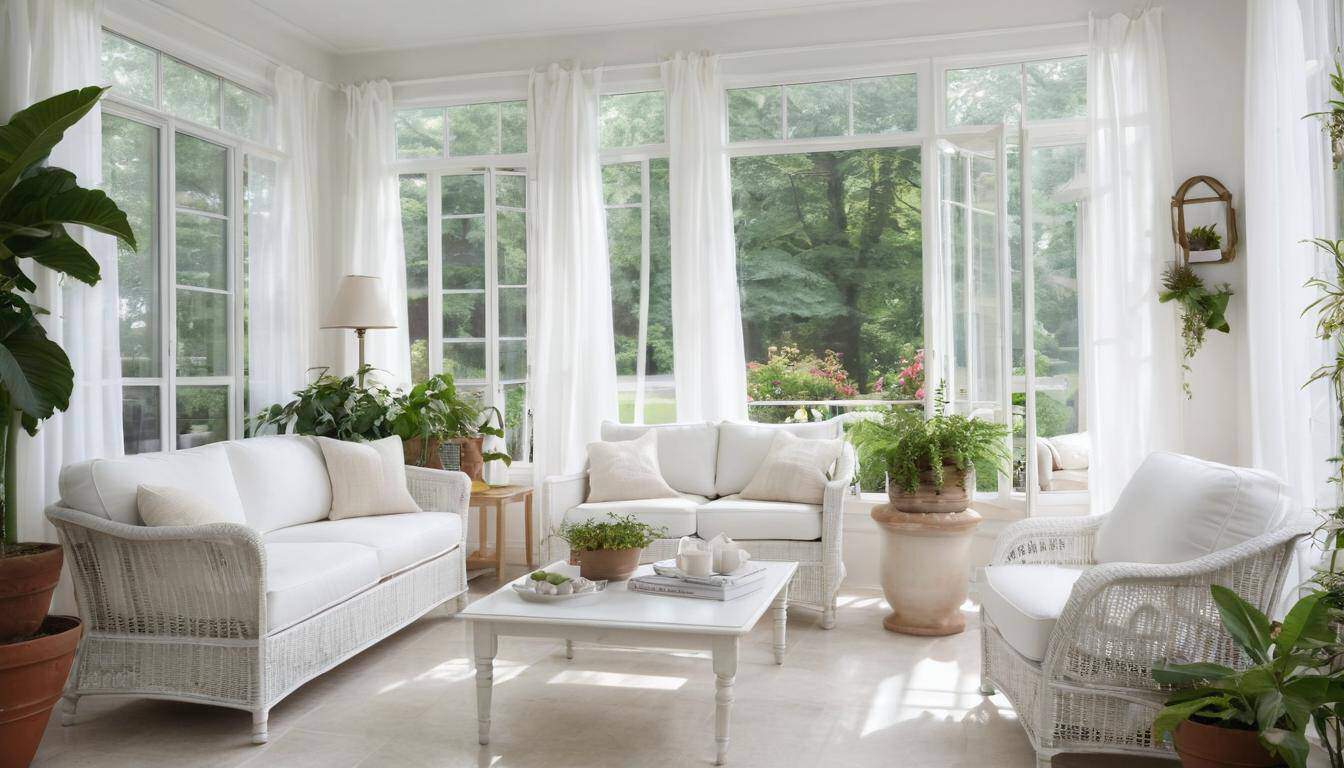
252	675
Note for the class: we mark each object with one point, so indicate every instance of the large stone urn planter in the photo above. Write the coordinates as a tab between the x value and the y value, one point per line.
925	557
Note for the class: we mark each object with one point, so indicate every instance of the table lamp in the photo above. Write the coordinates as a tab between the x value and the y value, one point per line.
360	304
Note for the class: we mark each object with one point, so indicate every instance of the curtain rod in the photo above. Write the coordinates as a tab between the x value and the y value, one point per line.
770	52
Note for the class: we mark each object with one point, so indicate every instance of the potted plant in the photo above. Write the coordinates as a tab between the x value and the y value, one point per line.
1258	716
432	413
926	527
333	406
608	550
1203	240
37	202
1201	308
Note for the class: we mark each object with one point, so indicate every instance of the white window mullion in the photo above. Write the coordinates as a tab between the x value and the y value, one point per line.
434	296
168	284
641	352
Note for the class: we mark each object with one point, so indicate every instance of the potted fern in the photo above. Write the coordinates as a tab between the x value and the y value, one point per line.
37	203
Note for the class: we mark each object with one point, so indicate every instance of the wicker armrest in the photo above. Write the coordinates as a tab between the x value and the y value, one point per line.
1047	540
833	501
438	490
201	581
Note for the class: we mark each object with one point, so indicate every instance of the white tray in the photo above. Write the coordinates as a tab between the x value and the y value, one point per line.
524	589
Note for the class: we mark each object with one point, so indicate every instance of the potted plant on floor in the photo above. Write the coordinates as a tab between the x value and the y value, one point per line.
434	422
926	528
37	202
1259	715
608	550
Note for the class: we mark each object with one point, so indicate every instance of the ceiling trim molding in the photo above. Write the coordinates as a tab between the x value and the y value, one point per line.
299	29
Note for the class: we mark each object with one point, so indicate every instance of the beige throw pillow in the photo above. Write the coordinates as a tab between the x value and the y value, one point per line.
367	478
626	470
166	505
796	469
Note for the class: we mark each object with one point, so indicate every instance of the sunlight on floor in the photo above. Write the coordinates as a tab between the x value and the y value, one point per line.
939	688
618	680
861	601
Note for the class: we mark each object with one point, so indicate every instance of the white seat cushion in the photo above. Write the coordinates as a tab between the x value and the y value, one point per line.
1177	508
746	519
687	453
742	448
677	515
1024	602
108	487
282	480
305	579
400	541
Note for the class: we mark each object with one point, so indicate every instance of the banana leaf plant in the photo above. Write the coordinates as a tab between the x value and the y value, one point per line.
37	204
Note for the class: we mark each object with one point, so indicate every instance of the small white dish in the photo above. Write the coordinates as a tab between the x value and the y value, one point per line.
524	589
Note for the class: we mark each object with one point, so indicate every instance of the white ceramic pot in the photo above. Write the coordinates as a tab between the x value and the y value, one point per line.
925	565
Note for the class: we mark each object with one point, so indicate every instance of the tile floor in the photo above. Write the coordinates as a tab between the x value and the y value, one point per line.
853	696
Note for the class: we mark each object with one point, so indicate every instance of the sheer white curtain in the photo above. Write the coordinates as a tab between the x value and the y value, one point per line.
372	224
1129	339
573	382
281	289
1292	427
709	363
49	47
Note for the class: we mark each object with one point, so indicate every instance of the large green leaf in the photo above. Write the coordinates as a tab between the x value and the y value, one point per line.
31	133
34	370
1190	674
60	252
1307	621
91	208
1249	627
40	183
1173	714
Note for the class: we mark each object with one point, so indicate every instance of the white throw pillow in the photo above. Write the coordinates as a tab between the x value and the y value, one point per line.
1071	449
367	478
796	469
166	505
687	453
626	471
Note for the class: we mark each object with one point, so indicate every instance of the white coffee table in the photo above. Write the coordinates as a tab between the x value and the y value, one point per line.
621	617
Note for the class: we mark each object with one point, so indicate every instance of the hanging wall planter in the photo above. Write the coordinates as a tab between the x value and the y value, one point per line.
1203	222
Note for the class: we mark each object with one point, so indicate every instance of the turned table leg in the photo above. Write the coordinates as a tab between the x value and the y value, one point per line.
780	609
725	670
527	527
485	643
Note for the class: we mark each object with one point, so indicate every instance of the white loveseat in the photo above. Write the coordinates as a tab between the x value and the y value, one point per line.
1075	611
709	464
241	615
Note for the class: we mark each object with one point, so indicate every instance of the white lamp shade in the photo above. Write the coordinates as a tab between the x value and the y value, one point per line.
360	302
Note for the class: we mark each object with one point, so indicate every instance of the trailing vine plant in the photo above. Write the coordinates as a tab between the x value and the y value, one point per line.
1201	310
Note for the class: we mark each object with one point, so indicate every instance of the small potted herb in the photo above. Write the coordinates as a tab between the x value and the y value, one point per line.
1204	240
608	550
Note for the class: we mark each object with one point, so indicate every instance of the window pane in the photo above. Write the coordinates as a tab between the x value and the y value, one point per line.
202	171
246	113
512	360
260	239
517	422
190	93
464	360
473	129
202	415
886	105
1057	89
464	253
511	190
983	96
817	109
513	312
419	132
625	245
131	176
660	403
131	69
464	315
140	420
633	119
463	194
513	126
415	241
832	284
621	183
755	114
511	232
202	333
1056	263
202	255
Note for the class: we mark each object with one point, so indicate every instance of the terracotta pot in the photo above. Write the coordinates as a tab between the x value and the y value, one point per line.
32	676
951	496
473	463
1208	746
925	564
422	452
26	583
609	564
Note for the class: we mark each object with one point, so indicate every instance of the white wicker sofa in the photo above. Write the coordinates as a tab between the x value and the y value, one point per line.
1075	611
709	464
242	615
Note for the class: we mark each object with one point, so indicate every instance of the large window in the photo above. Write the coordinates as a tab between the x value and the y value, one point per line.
178	156
468	130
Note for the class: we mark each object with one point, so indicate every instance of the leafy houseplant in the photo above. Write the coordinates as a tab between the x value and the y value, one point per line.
1333	118
608	550
37	203
1201	309
433	412
1266	708
1204	238
335	407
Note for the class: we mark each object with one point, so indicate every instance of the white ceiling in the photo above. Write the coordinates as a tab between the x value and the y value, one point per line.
349	26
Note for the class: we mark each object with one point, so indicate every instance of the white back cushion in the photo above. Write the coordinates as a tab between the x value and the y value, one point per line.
1177	508
108	487
686	452
281	479
742	448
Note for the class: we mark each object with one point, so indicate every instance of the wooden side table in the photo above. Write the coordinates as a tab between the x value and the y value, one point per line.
499	497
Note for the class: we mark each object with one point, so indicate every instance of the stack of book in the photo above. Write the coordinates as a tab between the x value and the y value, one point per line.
668	580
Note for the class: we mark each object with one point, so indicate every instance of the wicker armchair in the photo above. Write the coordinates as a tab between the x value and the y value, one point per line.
1093	691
